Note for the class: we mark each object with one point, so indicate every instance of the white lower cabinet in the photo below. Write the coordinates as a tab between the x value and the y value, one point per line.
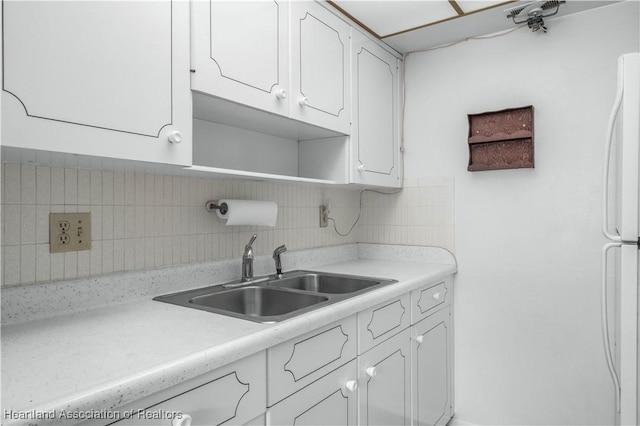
391	364
432	370
432	353
303	360
330	400
232	395
377	324
384	375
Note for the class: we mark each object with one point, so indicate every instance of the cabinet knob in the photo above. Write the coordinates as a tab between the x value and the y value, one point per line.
175	137
436	296
281	94
361	168
183	420
371	371
420	338
351	385
304	101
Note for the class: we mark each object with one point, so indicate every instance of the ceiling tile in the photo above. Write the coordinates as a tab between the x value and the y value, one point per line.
474	5
478	24
389	17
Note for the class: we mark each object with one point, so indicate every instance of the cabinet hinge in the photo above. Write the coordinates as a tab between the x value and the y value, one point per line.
192	71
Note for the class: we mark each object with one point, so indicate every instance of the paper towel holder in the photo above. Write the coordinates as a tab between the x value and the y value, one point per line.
213	205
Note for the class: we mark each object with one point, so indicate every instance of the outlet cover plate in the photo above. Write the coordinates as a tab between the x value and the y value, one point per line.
324	217
69	232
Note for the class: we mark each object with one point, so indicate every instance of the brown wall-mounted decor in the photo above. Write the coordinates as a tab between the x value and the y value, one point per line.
501	139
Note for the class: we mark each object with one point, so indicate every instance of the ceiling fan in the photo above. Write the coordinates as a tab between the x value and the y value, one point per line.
533	13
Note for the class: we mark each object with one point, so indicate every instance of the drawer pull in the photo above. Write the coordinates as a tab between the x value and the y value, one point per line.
420	338
351	385
436	296
371	371
184	420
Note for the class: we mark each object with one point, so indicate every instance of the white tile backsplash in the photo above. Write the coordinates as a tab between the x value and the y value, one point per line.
28	184
11	183
43	185
57	185
11	267
70	186
421	214
147	221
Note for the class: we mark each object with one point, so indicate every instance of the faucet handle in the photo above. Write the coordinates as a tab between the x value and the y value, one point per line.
251	241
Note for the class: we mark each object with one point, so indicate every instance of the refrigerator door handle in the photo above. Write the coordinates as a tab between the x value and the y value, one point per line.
607	157
605	324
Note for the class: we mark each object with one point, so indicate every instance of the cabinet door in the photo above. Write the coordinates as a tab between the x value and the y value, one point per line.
240	52
104	78
320	50
432	370
375	132
232	395
384	376
330	400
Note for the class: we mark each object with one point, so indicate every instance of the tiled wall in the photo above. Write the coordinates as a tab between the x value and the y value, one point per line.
421	214
144	221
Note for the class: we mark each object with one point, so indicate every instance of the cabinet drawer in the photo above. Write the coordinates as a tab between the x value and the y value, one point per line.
327	401
377	324
231	395
295	364
424	301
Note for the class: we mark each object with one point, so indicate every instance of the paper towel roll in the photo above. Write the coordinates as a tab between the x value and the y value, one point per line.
249	212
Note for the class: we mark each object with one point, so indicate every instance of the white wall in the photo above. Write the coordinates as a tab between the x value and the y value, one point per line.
528	345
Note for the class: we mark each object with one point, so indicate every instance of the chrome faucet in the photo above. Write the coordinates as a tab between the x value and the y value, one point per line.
247	260
276	256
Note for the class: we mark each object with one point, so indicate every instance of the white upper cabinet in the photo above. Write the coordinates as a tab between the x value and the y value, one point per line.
240	52
320	71
290	58
375	149
103	78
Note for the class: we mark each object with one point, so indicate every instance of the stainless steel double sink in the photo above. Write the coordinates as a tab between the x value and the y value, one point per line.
273	299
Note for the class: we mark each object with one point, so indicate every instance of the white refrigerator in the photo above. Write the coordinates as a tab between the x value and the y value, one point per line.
621	259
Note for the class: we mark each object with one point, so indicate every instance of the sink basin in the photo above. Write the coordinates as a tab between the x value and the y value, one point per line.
257	301
325	283
273	299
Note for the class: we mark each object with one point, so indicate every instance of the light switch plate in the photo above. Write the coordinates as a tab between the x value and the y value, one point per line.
69	232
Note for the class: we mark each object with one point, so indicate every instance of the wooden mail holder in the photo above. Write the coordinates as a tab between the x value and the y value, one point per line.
501	139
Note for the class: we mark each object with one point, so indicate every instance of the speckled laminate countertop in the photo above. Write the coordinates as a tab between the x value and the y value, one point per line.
106	357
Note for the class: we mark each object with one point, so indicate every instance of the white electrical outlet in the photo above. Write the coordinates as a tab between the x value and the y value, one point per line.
324	217
69	232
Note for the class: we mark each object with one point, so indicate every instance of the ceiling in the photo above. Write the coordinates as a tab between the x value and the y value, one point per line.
410	25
